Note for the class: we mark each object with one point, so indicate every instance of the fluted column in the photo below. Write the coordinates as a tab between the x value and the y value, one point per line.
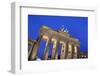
66	53
54	49
34	51
56	55
63	50
78	51
69	55
31	44
75	52
47	49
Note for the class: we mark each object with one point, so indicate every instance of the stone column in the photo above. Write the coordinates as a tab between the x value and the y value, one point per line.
47	49
31	44
78	51
56	55
54	49
63	50
69	55
75	52
66	50
33	54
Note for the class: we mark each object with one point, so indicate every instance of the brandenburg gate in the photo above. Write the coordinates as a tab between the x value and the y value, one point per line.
70	46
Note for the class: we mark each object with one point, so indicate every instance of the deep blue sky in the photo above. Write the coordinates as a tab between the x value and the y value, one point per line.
77	27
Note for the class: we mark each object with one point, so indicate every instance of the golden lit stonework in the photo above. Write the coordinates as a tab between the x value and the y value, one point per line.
70	47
